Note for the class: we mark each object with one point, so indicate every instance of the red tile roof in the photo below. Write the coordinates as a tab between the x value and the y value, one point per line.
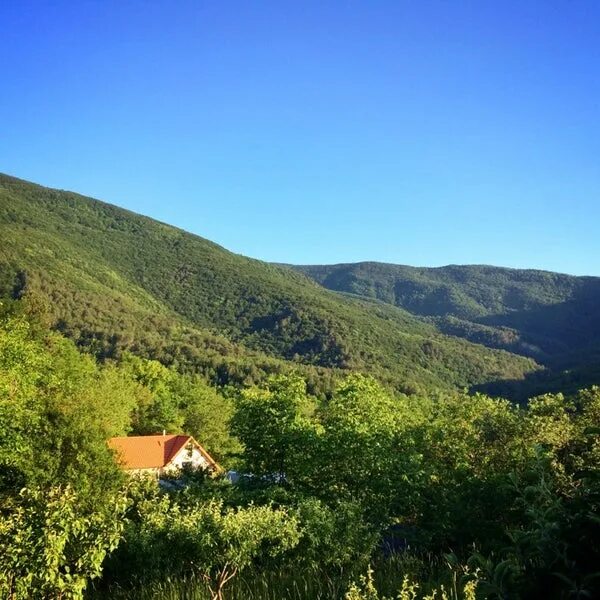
152	451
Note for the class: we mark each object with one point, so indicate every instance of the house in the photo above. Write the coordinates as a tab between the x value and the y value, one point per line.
161	454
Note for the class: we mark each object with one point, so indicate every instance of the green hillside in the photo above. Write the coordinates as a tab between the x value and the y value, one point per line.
551	317
114	280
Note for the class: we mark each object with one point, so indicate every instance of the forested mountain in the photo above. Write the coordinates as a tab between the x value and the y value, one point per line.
114	280
437	489
551	317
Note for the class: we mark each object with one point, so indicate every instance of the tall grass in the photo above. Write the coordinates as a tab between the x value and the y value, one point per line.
281	585
295	584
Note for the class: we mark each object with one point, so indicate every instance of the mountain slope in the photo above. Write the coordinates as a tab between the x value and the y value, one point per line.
552	317
116	280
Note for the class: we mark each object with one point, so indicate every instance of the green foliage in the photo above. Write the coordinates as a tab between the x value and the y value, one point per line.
530	311
57	408
365	455
270	424
116	281
365	590
410	590
551	317
205	539
331	477
333	535
443	470
50	546
267	369
168	400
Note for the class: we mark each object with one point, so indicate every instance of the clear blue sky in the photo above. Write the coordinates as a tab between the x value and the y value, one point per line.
421	133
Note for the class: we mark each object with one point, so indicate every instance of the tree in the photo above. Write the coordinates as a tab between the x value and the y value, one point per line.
365	454
57	409
159	407
51	545
272	425
203	538
207	415
22	367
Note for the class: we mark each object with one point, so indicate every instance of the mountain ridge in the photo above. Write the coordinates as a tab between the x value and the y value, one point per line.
552	317
113	277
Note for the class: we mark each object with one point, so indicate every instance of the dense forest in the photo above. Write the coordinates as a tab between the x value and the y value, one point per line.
107	274
551	317
368	494
369	466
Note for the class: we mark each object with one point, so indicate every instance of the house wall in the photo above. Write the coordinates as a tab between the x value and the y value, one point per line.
196	460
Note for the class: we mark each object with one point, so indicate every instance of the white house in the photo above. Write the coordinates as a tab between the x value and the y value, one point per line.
161	454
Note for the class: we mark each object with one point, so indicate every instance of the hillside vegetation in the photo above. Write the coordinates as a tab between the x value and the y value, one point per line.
347	488
113	280
446	494
551	317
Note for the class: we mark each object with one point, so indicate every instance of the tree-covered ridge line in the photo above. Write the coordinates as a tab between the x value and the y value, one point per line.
552	317
480	294
116	281
485	497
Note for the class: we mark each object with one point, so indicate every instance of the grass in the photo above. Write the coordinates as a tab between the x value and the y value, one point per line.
249	586
299	584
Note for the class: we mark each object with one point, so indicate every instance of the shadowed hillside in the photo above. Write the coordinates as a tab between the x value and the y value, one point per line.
551	317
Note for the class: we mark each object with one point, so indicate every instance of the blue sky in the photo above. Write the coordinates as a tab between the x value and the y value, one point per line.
422	133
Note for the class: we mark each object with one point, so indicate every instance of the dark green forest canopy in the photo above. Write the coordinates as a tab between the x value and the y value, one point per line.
530	312
113	280
551	317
